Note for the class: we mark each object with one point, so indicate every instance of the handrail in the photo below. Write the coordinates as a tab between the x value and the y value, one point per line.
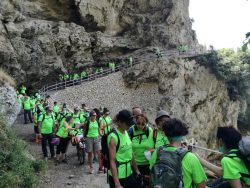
68	83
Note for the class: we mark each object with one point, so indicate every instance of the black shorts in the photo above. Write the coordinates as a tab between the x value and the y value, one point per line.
145	171
129	182
36	130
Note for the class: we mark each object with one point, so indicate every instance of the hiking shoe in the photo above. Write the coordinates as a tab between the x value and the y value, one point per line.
101	170
91	170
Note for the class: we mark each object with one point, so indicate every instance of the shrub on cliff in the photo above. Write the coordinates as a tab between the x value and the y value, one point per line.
231	66
16	169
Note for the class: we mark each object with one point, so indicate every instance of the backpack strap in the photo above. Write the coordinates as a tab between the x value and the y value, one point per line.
154	136
62	116
182	152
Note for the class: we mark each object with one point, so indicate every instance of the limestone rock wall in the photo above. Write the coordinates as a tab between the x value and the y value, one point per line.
183	88
40	39
9	107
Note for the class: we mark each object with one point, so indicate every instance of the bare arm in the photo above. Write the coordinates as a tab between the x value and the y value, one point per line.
39	123
134	165
217	170
112	154
235	183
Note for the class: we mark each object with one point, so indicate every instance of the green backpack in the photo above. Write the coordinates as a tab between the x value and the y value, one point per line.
167	171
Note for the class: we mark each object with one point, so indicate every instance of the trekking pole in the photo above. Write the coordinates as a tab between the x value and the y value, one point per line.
210	150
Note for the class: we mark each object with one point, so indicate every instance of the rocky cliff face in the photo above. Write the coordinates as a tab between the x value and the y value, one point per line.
9	107
183	88
41	38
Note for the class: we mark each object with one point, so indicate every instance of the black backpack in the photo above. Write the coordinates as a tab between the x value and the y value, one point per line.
86	131
167	171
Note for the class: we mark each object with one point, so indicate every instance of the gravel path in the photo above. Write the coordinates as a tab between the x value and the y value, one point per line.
71	175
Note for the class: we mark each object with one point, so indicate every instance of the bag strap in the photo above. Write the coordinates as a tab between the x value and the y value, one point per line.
118	140
154	135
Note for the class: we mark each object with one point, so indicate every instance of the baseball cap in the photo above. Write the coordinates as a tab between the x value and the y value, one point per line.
125	116
161	113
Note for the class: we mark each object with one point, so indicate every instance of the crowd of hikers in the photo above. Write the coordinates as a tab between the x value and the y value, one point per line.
97	70
133	152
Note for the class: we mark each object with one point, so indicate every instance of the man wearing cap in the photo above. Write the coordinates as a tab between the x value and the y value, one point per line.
121	154
160	138
45	126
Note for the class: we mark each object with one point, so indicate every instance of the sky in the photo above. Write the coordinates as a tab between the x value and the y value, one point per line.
221	23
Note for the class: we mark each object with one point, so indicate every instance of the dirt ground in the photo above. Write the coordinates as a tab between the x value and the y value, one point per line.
71	175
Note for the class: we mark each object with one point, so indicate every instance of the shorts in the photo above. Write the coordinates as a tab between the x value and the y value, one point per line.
129	182
93	144
36	130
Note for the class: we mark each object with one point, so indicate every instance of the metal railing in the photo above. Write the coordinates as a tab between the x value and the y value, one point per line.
64	84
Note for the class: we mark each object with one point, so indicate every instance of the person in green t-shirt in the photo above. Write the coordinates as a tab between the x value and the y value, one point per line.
37	112
78	118
45	126
233	169
65	77
23	90
193	173
142	141
27	109
105	122
93	144
83	74
63	133
56	109
121	158
161	139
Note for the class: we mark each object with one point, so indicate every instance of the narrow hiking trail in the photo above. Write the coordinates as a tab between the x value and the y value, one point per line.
71	175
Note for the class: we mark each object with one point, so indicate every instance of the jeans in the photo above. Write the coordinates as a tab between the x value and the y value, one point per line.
47	138
27	112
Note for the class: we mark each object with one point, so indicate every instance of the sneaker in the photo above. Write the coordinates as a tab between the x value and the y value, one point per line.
101	170
45	159
91	170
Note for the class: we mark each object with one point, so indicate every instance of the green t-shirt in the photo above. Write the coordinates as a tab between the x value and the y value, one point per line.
106	121
62	117
141	144
161	139
124	154
93	129
191	168
233	167
56	109
62	132
33	103
47	124
26	104
77	118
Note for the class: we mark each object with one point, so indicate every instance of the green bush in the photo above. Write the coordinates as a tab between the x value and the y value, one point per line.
16	170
